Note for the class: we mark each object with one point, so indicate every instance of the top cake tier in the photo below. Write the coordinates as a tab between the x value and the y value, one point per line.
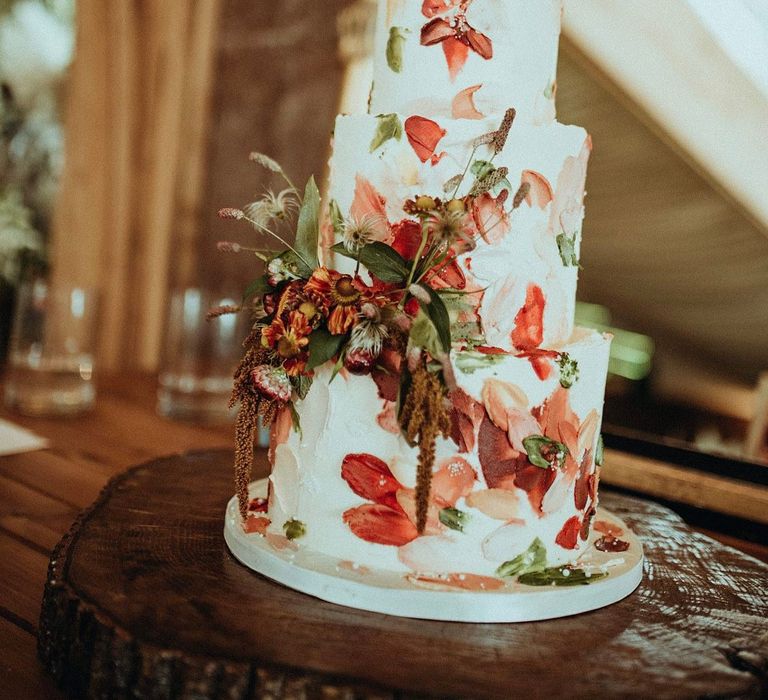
466	58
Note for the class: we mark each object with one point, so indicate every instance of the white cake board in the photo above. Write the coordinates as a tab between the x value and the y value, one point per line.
392	593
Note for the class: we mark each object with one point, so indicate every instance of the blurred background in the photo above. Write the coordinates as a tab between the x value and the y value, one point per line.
126	124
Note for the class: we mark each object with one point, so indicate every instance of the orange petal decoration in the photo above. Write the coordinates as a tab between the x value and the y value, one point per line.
256	525
529	322
381	525
423	135
479	43
431	8
463	106
453	480
541	192
456	54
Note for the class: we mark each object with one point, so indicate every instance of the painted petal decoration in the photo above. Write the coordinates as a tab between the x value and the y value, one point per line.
605	527
456	55
281	542
430	8
368	204
540	192
587	432
536	482
449	276
466	416
429	553
453	480
381	525
568	537
370	478
386	375
581	488
257	525
507	541
505	467
490	217
499	504
541	361
479	43
529	321
423	135
436	31
406	500
554	414
387	418
463	106
502	398
463	582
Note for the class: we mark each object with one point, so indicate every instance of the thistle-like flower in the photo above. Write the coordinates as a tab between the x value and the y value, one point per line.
358	233
449	226
272	207
272	383
369	333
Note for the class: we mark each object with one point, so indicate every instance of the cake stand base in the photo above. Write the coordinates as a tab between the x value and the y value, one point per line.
433	597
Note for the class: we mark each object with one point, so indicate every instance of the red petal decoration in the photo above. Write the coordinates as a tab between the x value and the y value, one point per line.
529	322
407	238
488	350
436	31
479	43
535	481
541	192
611	544
423	135
581	489
370	478
381	525
463	106
456	53
541	361
449	276
568	537
607	528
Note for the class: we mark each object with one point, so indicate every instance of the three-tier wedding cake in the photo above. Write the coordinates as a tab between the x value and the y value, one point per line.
451	434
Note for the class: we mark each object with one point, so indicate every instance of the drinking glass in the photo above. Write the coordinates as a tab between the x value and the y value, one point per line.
51	360
199	357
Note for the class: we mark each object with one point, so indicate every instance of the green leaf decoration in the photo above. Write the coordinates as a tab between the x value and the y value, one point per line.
258	287
337	367
337	220
600	451
379	259
569	370
323	346
560	576
454	518
567	247
294	529
544	452
484	170
388	127
532	559
469	361
423	334
438	314
308	227
395	46
301	385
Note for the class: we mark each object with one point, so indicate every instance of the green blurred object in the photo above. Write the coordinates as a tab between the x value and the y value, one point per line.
631	353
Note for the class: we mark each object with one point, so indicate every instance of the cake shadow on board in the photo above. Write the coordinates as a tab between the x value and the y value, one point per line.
435	415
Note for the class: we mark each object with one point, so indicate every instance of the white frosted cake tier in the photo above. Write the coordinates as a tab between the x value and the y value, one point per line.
348	476
504	51
536	247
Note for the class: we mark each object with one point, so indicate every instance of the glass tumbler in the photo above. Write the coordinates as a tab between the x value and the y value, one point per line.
50	368
199	358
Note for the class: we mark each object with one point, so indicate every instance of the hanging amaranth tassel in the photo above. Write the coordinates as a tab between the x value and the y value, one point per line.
424	416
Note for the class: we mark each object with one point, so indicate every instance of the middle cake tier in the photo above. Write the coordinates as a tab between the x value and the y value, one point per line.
520	212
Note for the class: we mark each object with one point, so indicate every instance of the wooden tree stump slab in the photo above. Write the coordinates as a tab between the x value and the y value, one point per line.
143	600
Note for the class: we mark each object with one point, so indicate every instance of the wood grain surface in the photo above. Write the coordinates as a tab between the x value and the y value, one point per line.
143	594
42	492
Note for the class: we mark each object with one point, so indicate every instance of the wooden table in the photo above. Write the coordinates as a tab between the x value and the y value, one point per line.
42	492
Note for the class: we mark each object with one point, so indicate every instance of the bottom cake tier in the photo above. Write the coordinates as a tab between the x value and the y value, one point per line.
514	487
